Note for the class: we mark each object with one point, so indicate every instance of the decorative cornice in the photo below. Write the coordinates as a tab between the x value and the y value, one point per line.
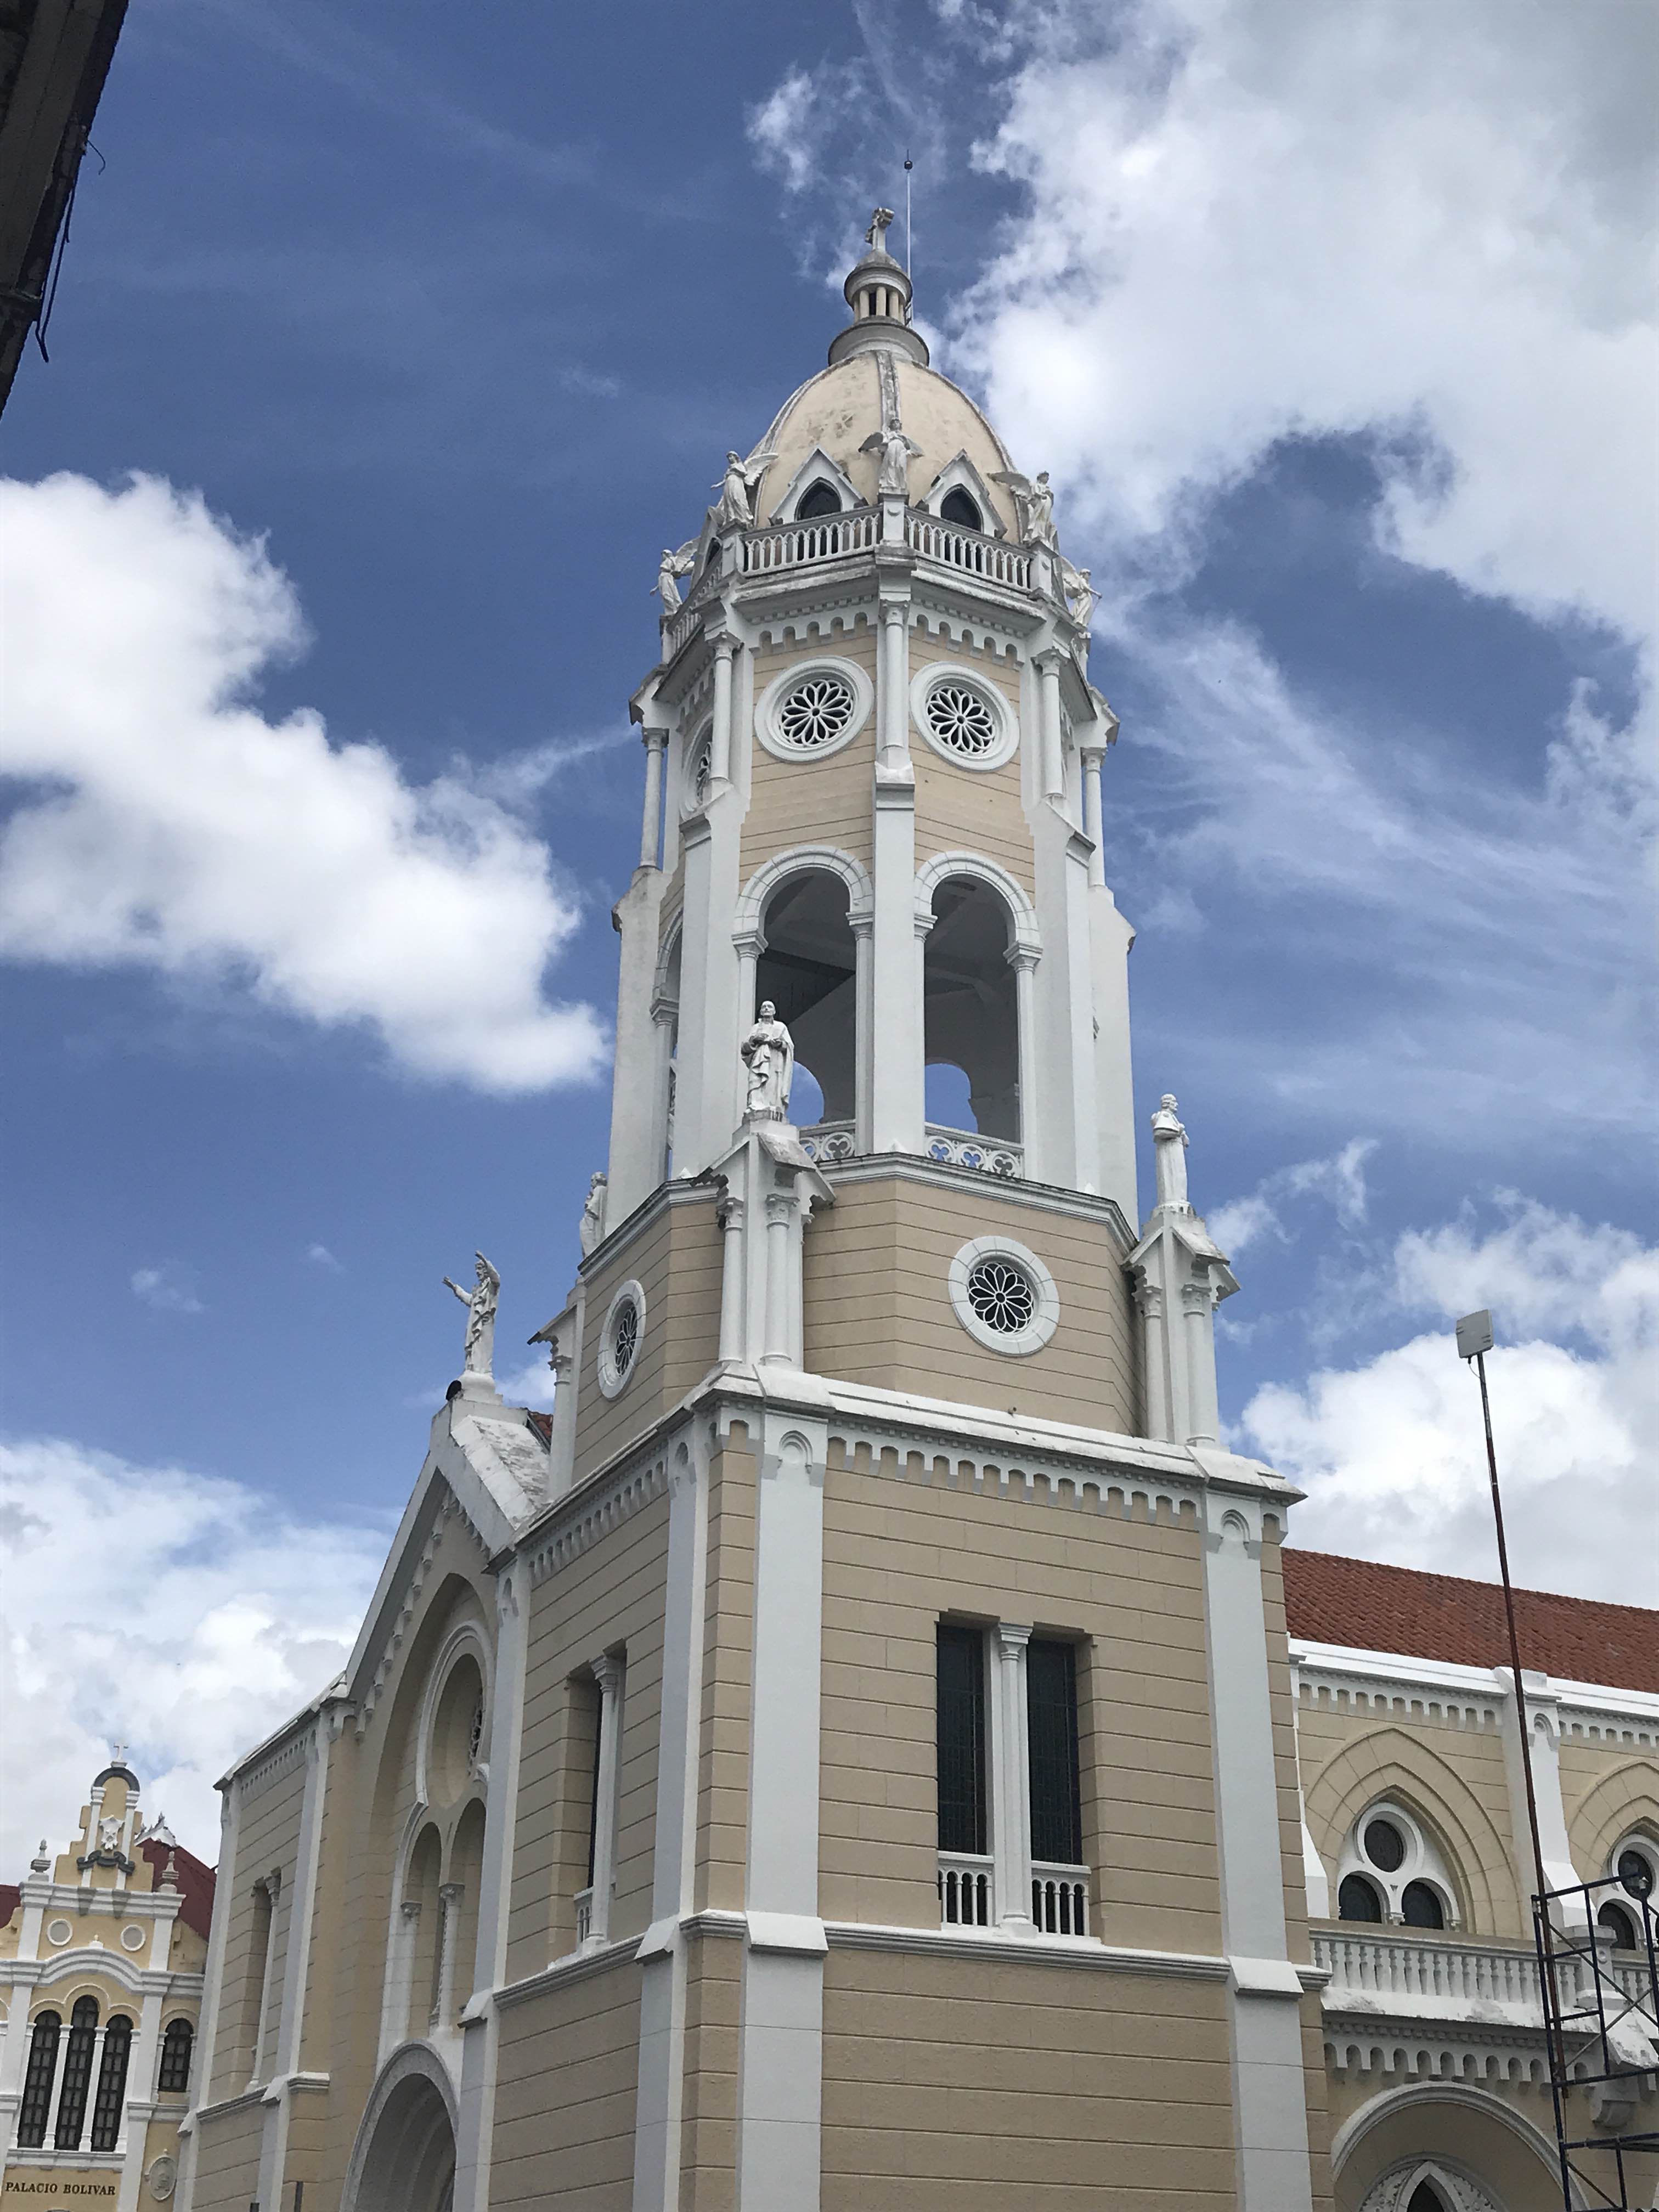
1072	1951
1040	1197
578	1967
595	1507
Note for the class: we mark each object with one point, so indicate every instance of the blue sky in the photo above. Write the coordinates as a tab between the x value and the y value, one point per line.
1337	335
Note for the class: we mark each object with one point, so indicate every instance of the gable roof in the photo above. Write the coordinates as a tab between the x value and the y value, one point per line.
1369	1607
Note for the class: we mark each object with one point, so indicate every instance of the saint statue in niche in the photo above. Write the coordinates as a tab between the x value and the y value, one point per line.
480	1304
769	1053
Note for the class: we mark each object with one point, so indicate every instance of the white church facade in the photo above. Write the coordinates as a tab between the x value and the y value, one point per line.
856	1755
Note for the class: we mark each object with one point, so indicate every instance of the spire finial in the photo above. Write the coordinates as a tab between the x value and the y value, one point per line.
877	290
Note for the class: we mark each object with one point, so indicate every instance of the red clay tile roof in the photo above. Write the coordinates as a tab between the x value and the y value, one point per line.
1376	1608
11	1897
195	1882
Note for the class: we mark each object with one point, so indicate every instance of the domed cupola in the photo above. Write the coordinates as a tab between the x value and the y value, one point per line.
877	291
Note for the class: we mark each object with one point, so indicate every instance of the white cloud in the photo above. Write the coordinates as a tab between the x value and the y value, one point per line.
1392	1452
1339	1181
1248	219
165	824
185	1614
167	1288
530	1385
318	1255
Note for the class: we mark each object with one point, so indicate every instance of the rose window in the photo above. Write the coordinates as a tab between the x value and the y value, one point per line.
816	713
702	763
624	1339
1001	1294
962	720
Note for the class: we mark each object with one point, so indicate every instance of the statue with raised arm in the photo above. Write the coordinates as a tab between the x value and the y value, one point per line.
769	1053
672	567
876	236
1169	1150
591	1230
480	1304
897	451
736	504
1035	502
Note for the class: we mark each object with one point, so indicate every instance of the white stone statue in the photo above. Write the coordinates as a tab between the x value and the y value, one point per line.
1169	1150
876	236
591	1230
1036	505
673	566
769	1053
480	1304
897	451
109	1833
1079	593
736	504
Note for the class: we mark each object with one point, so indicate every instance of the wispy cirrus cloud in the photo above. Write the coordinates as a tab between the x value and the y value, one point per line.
166	1289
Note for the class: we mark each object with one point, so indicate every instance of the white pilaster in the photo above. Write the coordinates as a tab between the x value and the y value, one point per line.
1544	1716
895	1057
720	766
661	1953
296	1952
1011	1777
607	1751
779	1207
1269	2097
1053	762
201	2089
1093	759
780	2062
656	747
634	1164
863	925
735	1331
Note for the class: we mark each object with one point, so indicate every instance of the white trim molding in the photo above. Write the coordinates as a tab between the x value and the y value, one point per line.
613	1380
1024	935
769	707
803	859
931	677
1012	1344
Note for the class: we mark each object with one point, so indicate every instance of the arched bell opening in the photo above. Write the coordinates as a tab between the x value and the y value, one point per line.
971	1007
808	970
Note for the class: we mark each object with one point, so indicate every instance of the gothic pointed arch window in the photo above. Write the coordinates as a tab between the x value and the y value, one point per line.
78	2075
111	2083
961	508
36	2107
819	498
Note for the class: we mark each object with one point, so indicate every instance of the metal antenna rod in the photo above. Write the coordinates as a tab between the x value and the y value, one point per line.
1475	1341
909	166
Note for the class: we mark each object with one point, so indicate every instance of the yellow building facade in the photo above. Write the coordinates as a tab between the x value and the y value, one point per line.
856	1755
102	1950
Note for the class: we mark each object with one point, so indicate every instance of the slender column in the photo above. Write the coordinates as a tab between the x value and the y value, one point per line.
400	1981
1010	1803
1093	759
893	687
1197	1313
750	947
562	1446
779	1207
296	1952
863	928
1023	962
1053	765
665	1012
50	2140
450	1894
656	746
607	1673
720	766
733	1344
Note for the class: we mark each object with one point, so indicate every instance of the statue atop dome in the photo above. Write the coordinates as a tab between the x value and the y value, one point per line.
736	506
876	236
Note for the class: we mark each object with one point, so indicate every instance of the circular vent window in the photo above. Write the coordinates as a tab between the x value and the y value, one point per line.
962	720
814	713
813	709
999	1291
619	1339
1003	1296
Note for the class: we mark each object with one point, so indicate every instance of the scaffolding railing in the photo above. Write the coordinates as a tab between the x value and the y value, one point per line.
1601	2033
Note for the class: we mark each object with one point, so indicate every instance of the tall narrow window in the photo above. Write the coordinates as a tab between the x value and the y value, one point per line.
1051	1712
37	2082
959	506
258	1975
78	2075
111	2083
961	1739
175	2058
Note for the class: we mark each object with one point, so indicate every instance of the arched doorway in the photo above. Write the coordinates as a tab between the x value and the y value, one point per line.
404	2160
